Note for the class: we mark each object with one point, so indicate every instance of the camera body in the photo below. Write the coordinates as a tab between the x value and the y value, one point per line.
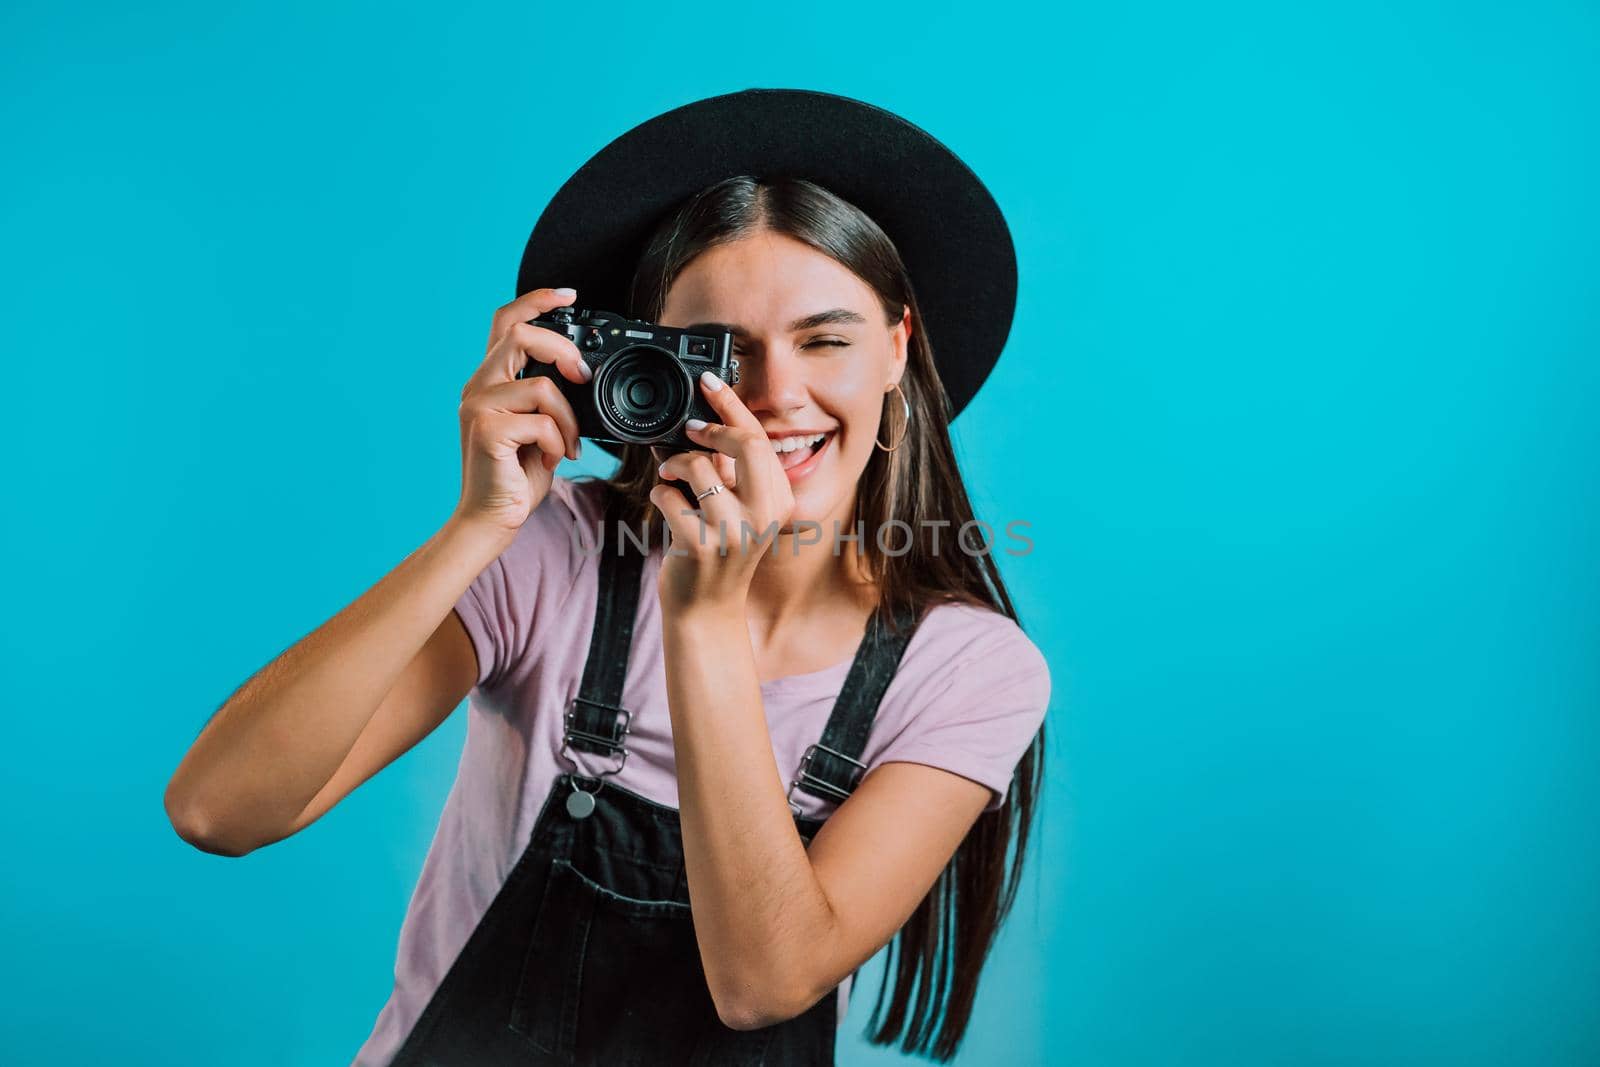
646	377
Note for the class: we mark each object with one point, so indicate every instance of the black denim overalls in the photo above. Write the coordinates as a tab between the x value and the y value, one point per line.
587	955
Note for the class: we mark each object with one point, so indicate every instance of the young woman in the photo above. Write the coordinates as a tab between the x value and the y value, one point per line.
706	775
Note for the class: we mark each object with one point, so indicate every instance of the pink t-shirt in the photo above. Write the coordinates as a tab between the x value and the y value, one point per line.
968	697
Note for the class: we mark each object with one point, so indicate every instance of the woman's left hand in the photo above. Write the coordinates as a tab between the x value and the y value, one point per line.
715	550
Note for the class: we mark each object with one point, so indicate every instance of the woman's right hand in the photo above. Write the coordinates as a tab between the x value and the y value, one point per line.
514	431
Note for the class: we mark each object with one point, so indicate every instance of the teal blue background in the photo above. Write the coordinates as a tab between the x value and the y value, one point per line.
1299	399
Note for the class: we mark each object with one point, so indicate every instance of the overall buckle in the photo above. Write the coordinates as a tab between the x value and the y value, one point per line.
610	743
818	783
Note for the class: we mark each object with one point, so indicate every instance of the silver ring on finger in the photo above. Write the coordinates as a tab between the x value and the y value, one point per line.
710	490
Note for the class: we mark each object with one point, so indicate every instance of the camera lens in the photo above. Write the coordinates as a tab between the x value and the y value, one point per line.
642	393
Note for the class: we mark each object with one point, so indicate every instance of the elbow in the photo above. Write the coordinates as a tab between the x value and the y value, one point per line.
746	1009
765	989
737	1016
744	1015
195	826
203	835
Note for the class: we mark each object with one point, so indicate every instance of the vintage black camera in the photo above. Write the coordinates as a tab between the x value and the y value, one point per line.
646	377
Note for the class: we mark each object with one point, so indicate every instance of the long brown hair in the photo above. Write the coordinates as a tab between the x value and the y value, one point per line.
937	955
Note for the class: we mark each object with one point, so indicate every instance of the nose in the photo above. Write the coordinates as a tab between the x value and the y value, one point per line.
772	384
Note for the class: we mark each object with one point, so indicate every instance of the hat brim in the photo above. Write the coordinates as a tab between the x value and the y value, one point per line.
950	232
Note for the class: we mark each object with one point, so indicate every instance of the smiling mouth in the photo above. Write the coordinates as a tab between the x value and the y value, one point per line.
798	455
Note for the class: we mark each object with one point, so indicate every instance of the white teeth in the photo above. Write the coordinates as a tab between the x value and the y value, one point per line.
789	444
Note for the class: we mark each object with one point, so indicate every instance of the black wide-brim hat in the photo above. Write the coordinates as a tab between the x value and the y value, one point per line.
950	233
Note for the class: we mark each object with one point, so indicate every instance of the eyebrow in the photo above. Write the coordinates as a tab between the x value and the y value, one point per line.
843	316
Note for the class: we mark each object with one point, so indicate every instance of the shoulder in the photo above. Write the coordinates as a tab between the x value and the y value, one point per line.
546	559
967	664
969	696
964	644
515	601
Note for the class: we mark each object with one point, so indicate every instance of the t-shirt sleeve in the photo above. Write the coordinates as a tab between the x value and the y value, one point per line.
971	702
510	605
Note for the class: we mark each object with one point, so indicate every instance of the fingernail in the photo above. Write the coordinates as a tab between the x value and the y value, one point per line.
564	291
696	424
713	383
588	372
661	471
577	450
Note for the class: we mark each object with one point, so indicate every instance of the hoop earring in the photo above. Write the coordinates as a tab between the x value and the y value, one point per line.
905	424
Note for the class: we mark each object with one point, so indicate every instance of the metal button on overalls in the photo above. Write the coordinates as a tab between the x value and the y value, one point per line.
587	954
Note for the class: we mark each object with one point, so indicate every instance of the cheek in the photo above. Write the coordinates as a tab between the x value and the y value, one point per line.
855	401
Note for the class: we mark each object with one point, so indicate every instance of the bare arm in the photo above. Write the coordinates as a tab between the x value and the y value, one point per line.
778	925
351	696
327	714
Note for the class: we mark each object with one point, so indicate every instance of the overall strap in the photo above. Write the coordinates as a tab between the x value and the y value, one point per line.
596	722
832	767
